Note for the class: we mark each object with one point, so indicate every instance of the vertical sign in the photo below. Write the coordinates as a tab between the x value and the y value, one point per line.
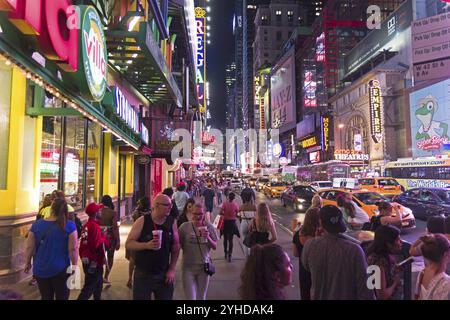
325	133
376	127
200	18
262	113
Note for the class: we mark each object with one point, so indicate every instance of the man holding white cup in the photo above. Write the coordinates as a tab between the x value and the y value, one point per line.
155	240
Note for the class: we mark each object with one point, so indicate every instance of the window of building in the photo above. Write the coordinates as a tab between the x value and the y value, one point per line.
74	161
266	54
265	32
94	156
5	111
278	15
290	16
279	35
50	155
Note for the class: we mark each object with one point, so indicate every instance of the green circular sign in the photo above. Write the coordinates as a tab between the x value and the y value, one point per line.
93	56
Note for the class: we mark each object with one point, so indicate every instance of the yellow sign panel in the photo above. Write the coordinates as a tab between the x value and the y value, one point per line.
310	142
200	12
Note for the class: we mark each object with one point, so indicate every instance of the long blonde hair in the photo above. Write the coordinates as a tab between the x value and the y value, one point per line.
263	219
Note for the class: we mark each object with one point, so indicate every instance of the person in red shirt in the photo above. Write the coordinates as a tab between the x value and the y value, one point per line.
92	253
229	210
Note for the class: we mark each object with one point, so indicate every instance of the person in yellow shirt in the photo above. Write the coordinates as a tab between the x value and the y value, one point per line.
57	194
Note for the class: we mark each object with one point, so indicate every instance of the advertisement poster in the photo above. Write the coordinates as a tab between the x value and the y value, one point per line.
430	119
283	94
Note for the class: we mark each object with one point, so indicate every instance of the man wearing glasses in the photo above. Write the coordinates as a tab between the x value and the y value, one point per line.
155	240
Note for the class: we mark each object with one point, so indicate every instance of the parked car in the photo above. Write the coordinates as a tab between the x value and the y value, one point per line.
321	184
388	187
299	197
367	200
274	189
261	182
426	202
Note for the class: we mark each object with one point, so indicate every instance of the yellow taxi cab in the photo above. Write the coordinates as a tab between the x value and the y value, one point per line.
364	199
383	185
274	189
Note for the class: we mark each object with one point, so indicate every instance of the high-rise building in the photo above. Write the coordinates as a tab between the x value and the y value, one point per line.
237	121
230	93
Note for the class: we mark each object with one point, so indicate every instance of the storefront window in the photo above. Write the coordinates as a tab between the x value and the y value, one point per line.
50	155
74	157
93	169
5	106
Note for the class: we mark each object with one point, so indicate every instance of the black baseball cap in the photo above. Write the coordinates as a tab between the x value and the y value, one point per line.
332	219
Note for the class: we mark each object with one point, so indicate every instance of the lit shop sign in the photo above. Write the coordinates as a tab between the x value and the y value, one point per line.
94	56
325	133
125	111
200	15
376	127
309	90
320	48
257	89
269	149
144	134
310	142
70	35
350	155
43	19
208	138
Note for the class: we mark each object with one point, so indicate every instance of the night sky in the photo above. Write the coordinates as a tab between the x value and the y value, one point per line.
219	53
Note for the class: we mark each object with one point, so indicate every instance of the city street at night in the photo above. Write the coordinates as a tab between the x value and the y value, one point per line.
275	151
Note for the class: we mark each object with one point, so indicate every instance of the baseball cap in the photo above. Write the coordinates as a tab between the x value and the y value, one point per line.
332	219
182	184
93	208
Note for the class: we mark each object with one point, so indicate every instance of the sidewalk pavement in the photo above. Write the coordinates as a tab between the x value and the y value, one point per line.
223	285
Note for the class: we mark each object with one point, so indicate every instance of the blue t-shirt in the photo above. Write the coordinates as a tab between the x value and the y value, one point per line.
209	197
52	248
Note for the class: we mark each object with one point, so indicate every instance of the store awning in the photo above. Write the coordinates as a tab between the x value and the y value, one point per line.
137	56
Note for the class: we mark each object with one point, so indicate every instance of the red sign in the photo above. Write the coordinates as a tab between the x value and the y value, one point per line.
157	176
208	138
42	18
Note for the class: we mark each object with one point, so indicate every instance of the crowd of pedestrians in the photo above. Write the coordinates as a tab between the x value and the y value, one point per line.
331	266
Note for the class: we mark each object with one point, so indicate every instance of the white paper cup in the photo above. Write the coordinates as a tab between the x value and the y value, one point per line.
201	230
157	234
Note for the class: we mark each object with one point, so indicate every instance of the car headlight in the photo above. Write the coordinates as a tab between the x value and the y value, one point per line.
377	212
300	200
273	190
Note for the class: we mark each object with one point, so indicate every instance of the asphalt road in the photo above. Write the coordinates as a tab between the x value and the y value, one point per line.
284	217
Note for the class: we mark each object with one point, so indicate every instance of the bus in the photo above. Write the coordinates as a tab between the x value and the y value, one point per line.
326	171
420	173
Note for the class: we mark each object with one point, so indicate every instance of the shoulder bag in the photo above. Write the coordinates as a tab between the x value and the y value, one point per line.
208	266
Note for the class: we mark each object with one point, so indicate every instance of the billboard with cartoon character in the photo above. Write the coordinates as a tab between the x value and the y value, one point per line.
430	119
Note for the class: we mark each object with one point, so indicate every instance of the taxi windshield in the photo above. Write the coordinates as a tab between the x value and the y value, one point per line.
369	197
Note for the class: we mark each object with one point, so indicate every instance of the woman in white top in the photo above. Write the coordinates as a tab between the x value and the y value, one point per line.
433	283
246	213
354	216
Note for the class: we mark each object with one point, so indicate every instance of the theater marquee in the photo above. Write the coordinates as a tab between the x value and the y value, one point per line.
376	126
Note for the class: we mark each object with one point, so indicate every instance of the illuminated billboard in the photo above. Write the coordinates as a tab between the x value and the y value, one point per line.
430	119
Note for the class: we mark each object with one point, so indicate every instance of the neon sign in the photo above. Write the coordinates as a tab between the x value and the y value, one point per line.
126	111
309	87
200	15
376	127
325	133
350	155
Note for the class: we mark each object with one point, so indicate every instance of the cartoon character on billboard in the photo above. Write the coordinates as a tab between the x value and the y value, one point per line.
430	127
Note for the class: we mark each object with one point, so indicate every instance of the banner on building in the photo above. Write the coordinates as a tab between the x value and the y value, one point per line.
430	119
283	106
431	47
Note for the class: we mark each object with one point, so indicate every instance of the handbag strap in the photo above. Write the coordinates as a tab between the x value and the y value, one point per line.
198	242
